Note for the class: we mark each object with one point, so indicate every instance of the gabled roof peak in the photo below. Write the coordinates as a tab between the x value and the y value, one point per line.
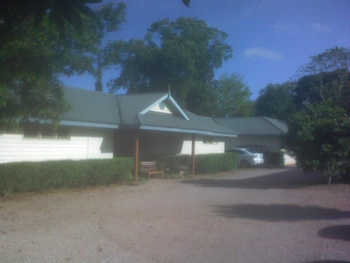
133	111
141	94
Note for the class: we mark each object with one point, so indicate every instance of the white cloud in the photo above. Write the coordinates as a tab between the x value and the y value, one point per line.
318	27
262	52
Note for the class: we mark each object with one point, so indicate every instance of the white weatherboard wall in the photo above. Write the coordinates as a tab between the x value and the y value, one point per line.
288	159
202	147
161	108
83	144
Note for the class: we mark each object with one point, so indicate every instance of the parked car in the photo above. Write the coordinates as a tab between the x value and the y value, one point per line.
254	148
247	158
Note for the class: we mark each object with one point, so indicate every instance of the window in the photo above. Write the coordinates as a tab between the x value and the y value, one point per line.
32	131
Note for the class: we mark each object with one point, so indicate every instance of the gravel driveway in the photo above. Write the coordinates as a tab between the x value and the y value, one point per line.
253	215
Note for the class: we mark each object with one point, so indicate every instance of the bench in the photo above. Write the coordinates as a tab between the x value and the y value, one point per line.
150	168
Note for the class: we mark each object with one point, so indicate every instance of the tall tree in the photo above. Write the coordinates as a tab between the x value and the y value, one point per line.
29	85
61	13
319	132
35	56
319	136
88	49
233	96
276	101
183	53
325	77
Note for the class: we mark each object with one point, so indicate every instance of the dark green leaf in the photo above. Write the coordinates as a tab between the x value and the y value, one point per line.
90	1
86	11
187	2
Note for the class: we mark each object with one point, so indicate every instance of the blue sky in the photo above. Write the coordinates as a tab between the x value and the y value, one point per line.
270	38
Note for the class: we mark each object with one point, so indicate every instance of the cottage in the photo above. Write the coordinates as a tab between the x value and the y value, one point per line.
101	125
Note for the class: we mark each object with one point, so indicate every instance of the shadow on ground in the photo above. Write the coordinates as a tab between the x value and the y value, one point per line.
280	212
286	179
341	232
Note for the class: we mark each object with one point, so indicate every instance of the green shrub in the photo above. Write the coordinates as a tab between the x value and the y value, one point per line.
42	176
274	158
205	163
173	164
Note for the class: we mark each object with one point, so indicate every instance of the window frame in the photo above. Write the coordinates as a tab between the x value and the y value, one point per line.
61	133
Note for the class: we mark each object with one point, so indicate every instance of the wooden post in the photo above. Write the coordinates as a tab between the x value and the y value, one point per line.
136	158
193	152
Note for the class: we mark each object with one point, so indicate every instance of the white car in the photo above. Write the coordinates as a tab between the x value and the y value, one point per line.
247	158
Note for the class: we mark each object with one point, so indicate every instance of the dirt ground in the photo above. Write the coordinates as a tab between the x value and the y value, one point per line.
253	215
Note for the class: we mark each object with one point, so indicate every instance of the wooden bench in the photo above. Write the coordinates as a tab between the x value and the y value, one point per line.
150	168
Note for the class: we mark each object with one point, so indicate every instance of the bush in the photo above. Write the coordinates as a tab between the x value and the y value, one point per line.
274	158
205	163
42	176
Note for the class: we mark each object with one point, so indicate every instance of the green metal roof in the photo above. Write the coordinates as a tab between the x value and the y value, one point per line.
254	125
196	124
97	109
91	107
131	105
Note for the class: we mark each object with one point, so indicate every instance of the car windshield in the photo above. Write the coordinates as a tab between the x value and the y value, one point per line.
240	151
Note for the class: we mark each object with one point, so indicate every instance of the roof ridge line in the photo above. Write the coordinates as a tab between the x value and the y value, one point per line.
140	94
90	91
271	123
119	110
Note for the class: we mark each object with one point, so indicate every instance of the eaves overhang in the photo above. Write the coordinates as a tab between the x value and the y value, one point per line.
89	124
188	131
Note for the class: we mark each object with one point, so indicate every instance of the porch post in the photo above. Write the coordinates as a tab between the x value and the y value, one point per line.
193	153
136	157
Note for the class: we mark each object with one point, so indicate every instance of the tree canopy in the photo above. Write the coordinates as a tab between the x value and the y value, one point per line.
319	136
276	101
61	13
36	55
319	132
233	95
183	54
41	39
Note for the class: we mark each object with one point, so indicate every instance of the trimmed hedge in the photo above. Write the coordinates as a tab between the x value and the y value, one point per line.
42	176
205	163
274	158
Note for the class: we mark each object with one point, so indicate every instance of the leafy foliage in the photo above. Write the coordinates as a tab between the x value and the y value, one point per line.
276	101
319	136
233	96
317	88
319	133
28	80
89	49
60	13
34	57
182	53
326	77
43	176
214	163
